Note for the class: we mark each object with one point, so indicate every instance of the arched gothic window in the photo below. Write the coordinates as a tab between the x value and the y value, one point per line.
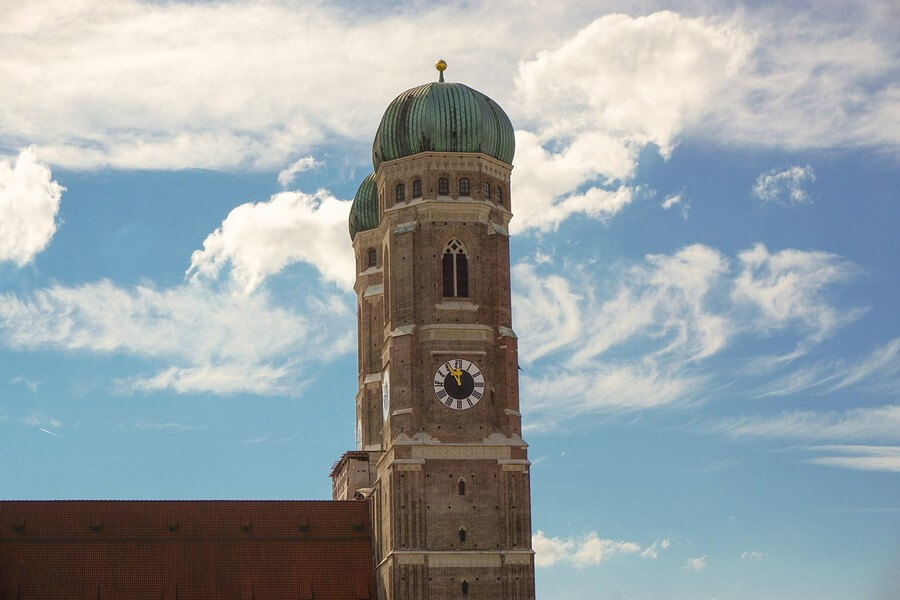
464	186
443	186
465	588
462	534
401	192
486	189
499	195
462	487
417	188
455	265
373	257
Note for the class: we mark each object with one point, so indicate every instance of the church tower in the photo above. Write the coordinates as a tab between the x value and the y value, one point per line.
440	454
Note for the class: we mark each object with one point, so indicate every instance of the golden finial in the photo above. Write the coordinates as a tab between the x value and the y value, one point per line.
441	65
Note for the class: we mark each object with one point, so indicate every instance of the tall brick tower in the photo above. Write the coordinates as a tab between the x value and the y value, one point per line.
440	454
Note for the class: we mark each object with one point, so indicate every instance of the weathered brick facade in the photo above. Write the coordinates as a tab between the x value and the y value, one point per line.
450	491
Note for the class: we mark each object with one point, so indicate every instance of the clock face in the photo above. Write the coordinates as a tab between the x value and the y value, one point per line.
385	393
458	384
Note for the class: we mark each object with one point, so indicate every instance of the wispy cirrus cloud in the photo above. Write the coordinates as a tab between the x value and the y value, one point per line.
643	338
878	372
785	289
858	457
880	423
222	343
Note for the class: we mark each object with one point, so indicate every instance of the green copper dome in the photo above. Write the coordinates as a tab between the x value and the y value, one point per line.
364	210
443	117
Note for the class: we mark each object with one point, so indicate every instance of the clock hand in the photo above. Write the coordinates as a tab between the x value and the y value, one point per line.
457	375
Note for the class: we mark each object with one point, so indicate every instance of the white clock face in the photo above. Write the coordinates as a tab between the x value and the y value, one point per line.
386	393
458	384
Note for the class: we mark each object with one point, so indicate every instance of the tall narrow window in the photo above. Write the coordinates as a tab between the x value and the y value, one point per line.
464	187
462	534
455	270
465	588
499	195
373	257
462	487
486	189
401	192
443	186
417	188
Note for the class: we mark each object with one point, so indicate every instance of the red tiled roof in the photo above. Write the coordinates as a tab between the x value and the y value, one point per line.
186	549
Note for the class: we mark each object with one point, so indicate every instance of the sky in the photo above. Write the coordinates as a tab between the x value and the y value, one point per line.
704	250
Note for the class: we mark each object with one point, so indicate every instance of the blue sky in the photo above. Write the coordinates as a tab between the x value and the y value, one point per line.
705	268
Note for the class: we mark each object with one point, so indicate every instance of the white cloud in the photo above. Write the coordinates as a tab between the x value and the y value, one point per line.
816	79
286	176
657	72
259	85
785	186
696	564
654	73
751	555
858	458
29	201
879	423
131	84
214	342
786	289
582	551
259	240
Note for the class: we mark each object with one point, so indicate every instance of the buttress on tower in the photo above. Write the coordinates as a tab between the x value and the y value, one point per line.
440	454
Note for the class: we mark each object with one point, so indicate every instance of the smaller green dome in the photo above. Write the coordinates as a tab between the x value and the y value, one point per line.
364	210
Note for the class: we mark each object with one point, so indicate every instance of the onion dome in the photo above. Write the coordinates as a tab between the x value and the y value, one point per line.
364	210
443	117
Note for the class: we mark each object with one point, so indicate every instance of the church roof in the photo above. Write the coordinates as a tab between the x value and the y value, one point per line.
443	117
186	549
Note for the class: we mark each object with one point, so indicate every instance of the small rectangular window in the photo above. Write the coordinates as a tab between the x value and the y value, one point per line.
401	192
464	187
443	186
417	188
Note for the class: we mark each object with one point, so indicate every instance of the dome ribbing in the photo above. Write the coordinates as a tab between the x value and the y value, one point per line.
443	117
